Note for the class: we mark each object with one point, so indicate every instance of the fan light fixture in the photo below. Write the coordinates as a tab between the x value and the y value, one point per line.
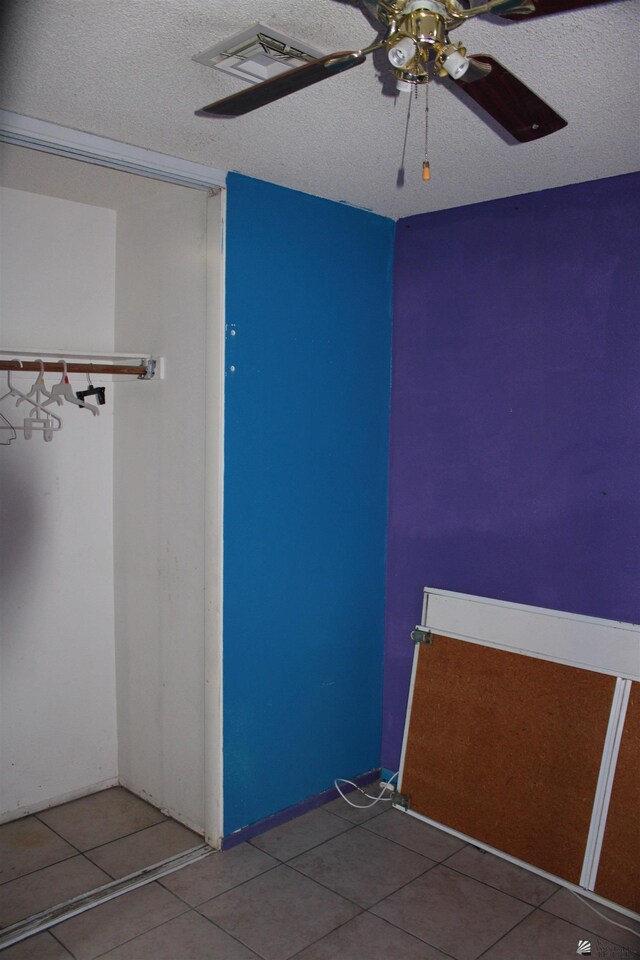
401	54
456	64
417	43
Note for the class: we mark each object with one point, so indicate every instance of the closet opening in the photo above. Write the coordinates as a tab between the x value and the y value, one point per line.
110	531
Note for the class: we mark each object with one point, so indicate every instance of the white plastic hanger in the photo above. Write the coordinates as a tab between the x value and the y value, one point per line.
37	390
12	391
31	423
63	391
4	423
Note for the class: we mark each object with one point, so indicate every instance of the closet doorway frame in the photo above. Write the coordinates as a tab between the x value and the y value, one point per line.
77	145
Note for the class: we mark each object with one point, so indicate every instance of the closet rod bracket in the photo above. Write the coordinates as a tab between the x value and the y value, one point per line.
150	369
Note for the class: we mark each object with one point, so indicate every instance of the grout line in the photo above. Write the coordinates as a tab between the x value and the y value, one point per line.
236	886
485	883
97	847
51	933
552	894
590	919
61	944
428	943
363	822
302	852
134	833
325	935
404	846
55	832
163	923
354	902
30	873
506	933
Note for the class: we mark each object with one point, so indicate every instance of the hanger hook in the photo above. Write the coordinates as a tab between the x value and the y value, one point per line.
64	369
9	384
41	362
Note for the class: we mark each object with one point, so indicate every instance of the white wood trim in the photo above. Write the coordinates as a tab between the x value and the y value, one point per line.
605	784
214	478
587	894
604	646
78	145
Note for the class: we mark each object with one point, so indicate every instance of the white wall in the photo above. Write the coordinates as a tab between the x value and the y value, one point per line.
57	664
144	486
159	474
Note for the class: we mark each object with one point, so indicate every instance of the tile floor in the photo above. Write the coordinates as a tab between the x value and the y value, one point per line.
62	852
335	884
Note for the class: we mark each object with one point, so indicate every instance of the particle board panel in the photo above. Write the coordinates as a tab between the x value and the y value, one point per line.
506	749
618	876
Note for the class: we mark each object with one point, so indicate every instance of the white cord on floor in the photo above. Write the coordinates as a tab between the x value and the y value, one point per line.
603	915
363	806
381	796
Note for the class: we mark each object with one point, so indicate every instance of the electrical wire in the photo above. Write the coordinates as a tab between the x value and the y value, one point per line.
364	806
603	915
381	796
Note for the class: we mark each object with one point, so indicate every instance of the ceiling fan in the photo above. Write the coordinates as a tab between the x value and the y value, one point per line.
417	43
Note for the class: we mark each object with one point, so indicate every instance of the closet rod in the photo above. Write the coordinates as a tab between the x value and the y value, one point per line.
144	371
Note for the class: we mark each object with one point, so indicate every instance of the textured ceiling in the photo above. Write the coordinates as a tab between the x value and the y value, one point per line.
123	69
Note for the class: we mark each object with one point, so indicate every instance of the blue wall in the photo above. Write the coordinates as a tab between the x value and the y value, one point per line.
306	429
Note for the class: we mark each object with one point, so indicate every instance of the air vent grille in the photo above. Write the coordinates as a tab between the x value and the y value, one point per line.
257	54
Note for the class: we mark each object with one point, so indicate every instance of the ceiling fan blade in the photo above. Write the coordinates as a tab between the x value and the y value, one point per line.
543	8
505	98
282	85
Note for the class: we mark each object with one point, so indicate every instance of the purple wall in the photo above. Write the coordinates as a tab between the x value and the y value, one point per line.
514	461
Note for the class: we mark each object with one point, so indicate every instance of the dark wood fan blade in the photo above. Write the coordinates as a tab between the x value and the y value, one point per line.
505	98
281	86
543	8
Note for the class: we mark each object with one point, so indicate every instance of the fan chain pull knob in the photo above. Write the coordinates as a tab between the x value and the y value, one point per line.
426	170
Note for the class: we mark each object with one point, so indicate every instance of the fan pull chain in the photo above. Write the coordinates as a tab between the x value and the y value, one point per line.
426	166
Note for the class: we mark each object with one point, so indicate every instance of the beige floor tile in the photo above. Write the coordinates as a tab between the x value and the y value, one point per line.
569	907
92	933
303	833
279	913
361	866
188	937
100	818
27	845
453	913
371	938
45	888
505	876
217	873
543	935
41	947
143	849
360	814
416	835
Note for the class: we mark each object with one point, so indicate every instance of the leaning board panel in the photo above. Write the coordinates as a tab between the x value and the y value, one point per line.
506	748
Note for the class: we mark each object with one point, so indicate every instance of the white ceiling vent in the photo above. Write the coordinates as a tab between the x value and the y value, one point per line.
257	54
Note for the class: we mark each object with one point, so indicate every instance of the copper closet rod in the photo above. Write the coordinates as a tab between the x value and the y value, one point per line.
127	370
